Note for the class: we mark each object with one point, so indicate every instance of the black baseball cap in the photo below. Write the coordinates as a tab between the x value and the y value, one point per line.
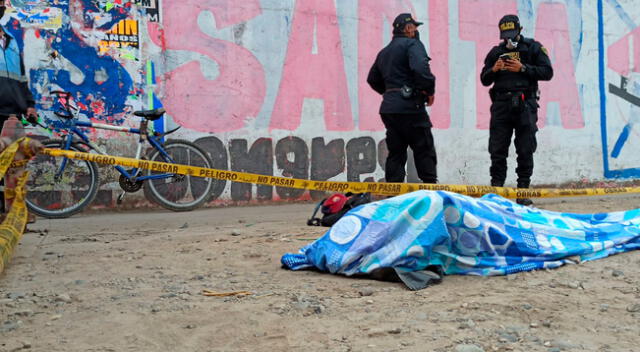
404	19
509	26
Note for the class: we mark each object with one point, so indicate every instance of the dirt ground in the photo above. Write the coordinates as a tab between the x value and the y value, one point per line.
133	281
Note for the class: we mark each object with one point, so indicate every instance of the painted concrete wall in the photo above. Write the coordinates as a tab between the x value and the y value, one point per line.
279	86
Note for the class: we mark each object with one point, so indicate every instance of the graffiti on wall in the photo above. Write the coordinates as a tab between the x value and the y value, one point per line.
322	159
314	46
620	134
244	77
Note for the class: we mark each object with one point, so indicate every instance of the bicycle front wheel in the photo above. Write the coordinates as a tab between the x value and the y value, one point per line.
60	187
179	192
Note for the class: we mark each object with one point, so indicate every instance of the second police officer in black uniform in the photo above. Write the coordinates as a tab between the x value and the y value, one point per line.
402	75
514	68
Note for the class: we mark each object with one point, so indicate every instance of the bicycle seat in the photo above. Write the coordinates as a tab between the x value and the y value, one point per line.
151	115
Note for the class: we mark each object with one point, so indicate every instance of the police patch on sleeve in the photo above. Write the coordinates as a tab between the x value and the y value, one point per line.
544	50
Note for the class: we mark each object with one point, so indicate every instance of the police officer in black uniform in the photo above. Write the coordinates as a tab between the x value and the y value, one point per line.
402	75
514	68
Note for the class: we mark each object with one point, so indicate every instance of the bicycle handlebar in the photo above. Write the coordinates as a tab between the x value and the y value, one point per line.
67	106
25	121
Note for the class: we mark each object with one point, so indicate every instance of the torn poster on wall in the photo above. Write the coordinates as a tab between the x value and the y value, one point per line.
123	35
151	8
45	18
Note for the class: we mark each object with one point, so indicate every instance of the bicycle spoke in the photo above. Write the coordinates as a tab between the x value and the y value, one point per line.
181	192
59	197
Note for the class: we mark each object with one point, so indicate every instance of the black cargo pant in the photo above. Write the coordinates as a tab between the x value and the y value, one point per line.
409	130
505	119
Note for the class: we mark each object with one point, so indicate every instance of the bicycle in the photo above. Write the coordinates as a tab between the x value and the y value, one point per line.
60	187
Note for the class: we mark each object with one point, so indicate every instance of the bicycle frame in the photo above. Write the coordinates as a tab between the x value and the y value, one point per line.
71	129
62	186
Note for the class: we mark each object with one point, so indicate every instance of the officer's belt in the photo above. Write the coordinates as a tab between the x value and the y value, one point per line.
507	95
393	90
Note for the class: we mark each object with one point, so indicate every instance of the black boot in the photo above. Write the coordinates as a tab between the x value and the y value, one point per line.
496	183
524	201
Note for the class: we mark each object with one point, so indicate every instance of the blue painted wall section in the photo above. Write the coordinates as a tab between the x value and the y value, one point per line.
111	94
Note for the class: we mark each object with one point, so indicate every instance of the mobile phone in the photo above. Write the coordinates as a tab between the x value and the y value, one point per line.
505	57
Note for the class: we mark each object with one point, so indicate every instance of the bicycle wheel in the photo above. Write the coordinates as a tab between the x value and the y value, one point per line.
60	197
179	192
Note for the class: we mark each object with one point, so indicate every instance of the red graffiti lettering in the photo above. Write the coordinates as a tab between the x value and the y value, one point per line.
314	68
236	95
618	57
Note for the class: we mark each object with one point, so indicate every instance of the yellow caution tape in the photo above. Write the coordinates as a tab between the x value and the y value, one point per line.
387	189
13	226
7	156
19	163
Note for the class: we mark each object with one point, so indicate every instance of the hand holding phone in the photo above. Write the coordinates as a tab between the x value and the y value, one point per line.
498	65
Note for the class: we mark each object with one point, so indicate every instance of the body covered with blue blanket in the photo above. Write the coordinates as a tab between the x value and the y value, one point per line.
462	235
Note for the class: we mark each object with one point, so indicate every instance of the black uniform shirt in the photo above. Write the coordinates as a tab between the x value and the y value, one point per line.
404	62
531	54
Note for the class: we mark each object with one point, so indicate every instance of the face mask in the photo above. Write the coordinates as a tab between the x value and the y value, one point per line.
417	35
2	8
511	44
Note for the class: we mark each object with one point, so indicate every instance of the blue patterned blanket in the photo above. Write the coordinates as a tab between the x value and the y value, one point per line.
463	235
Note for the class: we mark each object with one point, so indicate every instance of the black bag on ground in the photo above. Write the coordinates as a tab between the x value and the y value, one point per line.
335	206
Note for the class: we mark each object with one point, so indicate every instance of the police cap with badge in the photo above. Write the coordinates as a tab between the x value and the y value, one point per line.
404	19
509	27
